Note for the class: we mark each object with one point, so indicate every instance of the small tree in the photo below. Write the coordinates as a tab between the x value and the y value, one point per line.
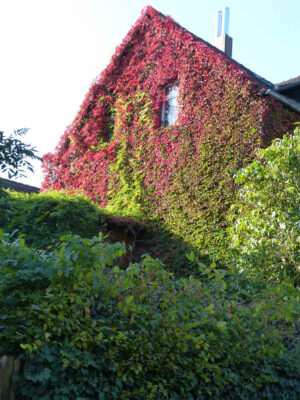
14	154
265	234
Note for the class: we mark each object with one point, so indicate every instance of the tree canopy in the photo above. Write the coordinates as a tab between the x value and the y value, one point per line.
14	154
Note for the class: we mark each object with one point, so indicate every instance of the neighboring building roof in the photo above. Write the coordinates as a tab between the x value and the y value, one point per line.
289	82
290	89
18	187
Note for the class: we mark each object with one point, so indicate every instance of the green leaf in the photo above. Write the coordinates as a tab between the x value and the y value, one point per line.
129	299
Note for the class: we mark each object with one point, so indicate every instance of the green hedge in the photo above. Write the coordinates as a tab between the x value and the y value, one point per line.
43	218
89	330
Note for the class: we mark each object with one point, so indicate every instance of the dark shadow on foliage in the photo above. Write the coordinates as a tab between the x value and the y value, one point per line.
154	239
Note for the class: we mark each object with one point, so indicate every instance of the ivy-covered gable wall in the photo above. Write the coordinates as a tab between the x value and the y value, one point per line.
117	152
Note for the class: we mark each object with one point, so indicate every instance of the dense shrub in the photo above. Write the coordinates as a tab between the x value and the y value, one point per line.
117	152
265	234
90	330
43	218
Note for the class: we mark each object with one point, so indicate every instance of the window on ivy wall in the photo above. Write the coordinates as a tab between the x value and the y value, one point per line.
170	106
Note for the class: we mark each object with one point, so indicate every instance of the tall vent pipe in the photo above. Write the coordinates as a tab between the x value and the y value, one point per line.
222	39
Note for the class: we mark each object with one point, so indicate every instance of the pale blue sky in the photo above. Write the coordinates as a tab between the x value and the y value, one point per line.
51	50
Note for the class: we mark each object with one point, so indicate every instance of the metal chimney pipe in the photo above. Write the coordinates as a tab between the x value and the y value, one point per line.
222	39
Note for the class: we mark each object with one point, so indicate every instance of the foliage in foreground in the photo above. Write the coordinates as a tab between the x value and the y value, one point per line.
265	234
90	330
42	218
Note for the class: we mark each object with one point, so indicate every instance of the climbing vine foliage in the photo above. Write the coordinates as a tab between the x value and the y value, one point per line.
118	153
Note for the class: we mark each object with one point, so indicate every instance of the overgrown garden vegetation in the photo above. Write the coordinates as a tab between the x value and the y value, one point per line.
89	328
213	312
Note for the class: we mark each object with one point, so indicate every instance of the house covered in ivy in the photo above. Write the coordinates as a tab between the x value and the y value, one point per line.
162	130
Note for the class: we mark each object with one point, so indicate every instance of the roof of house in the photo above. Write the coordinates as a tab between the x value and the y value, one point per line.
263	85
150	11
262	82
18	187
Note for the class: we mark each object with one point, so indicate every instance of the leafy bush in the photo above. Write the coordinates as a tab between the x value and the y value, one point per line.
265	234
91	330
43	218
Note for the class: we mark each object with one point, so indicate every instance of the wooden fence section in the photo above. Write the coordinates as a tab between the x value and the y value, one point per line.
8	365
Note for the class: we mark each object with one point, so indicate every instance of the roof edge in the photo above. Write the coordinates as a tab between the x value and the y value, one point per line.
289	83
283	88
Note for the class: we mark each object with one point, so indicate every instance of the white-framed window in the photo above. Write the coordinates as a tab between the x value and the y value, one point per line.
170	106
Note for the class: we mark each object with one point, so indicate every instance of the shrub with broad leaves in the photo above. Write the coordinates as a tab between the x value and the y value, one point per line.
88	329
265	234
